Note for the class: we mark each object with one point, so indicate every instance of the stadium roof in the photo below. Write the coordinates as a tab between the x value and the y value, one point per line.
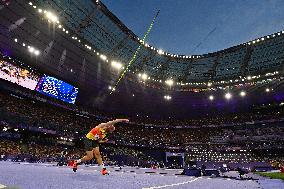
83	43
104	32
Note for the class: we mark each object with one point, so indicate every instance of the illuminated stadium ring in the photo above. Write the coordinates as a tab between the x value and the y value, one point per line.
216	74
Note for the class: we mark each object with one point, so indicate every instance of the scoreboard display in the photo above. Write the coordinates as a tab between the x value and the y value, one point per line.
58	89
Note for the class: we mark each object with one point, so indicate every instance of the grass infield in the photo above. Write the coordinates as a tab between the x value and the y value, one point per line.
273	175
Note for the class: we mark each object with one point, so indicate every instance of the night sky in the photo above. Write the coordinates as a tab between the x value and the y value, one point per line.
200	26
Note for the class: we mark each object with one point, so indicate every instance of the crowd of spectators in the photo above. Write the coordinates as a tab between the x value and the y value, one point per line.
32	152
44	115
73	124
263	112
73	118
42	153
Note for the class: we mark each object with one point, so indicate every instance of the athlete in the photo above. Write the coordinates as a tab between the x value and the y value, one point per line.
97	135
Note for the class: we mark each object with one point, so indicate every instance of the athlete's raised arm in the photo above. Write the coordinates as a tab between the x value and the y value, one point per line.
111	123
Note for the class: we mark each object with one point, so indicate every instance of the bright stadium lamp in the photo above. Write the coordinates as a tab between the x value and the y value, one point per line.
228	96
167	97
169	82
103	57
36	52
243	93
160	51
144	76
31	49
116	65
51	17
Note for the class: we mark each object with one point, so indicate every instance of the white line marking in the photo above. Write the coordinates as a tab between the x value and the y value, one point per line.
171	185
2	186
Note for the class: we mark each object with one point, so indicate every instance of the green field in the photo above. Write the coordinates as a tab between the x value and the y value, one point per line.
273	175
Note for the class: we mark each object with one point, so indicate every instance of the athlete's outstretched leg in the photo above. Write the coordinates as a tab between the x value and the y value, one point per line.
98	157
89	156
97	154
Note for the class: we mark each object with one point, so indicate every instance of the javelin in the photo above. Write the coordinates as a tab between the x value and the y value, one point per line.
136	52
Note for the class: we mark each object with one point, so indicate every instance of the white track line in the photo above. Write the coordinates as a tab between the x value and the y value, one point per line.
171	185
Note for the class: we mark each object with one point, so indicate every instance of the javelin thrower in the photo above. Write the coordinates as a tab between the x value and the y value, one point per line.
97	135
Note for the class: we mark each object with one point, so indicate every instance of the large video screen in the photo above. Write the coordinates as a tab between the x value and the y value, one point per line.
15	74
56	88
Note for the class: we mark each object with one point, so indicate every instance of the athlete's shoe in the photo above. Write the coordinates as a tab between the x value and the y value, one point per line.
75	166
104	171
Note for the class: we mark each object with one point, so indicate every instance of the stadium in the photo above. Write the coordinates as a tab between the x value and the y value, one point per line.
68	68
